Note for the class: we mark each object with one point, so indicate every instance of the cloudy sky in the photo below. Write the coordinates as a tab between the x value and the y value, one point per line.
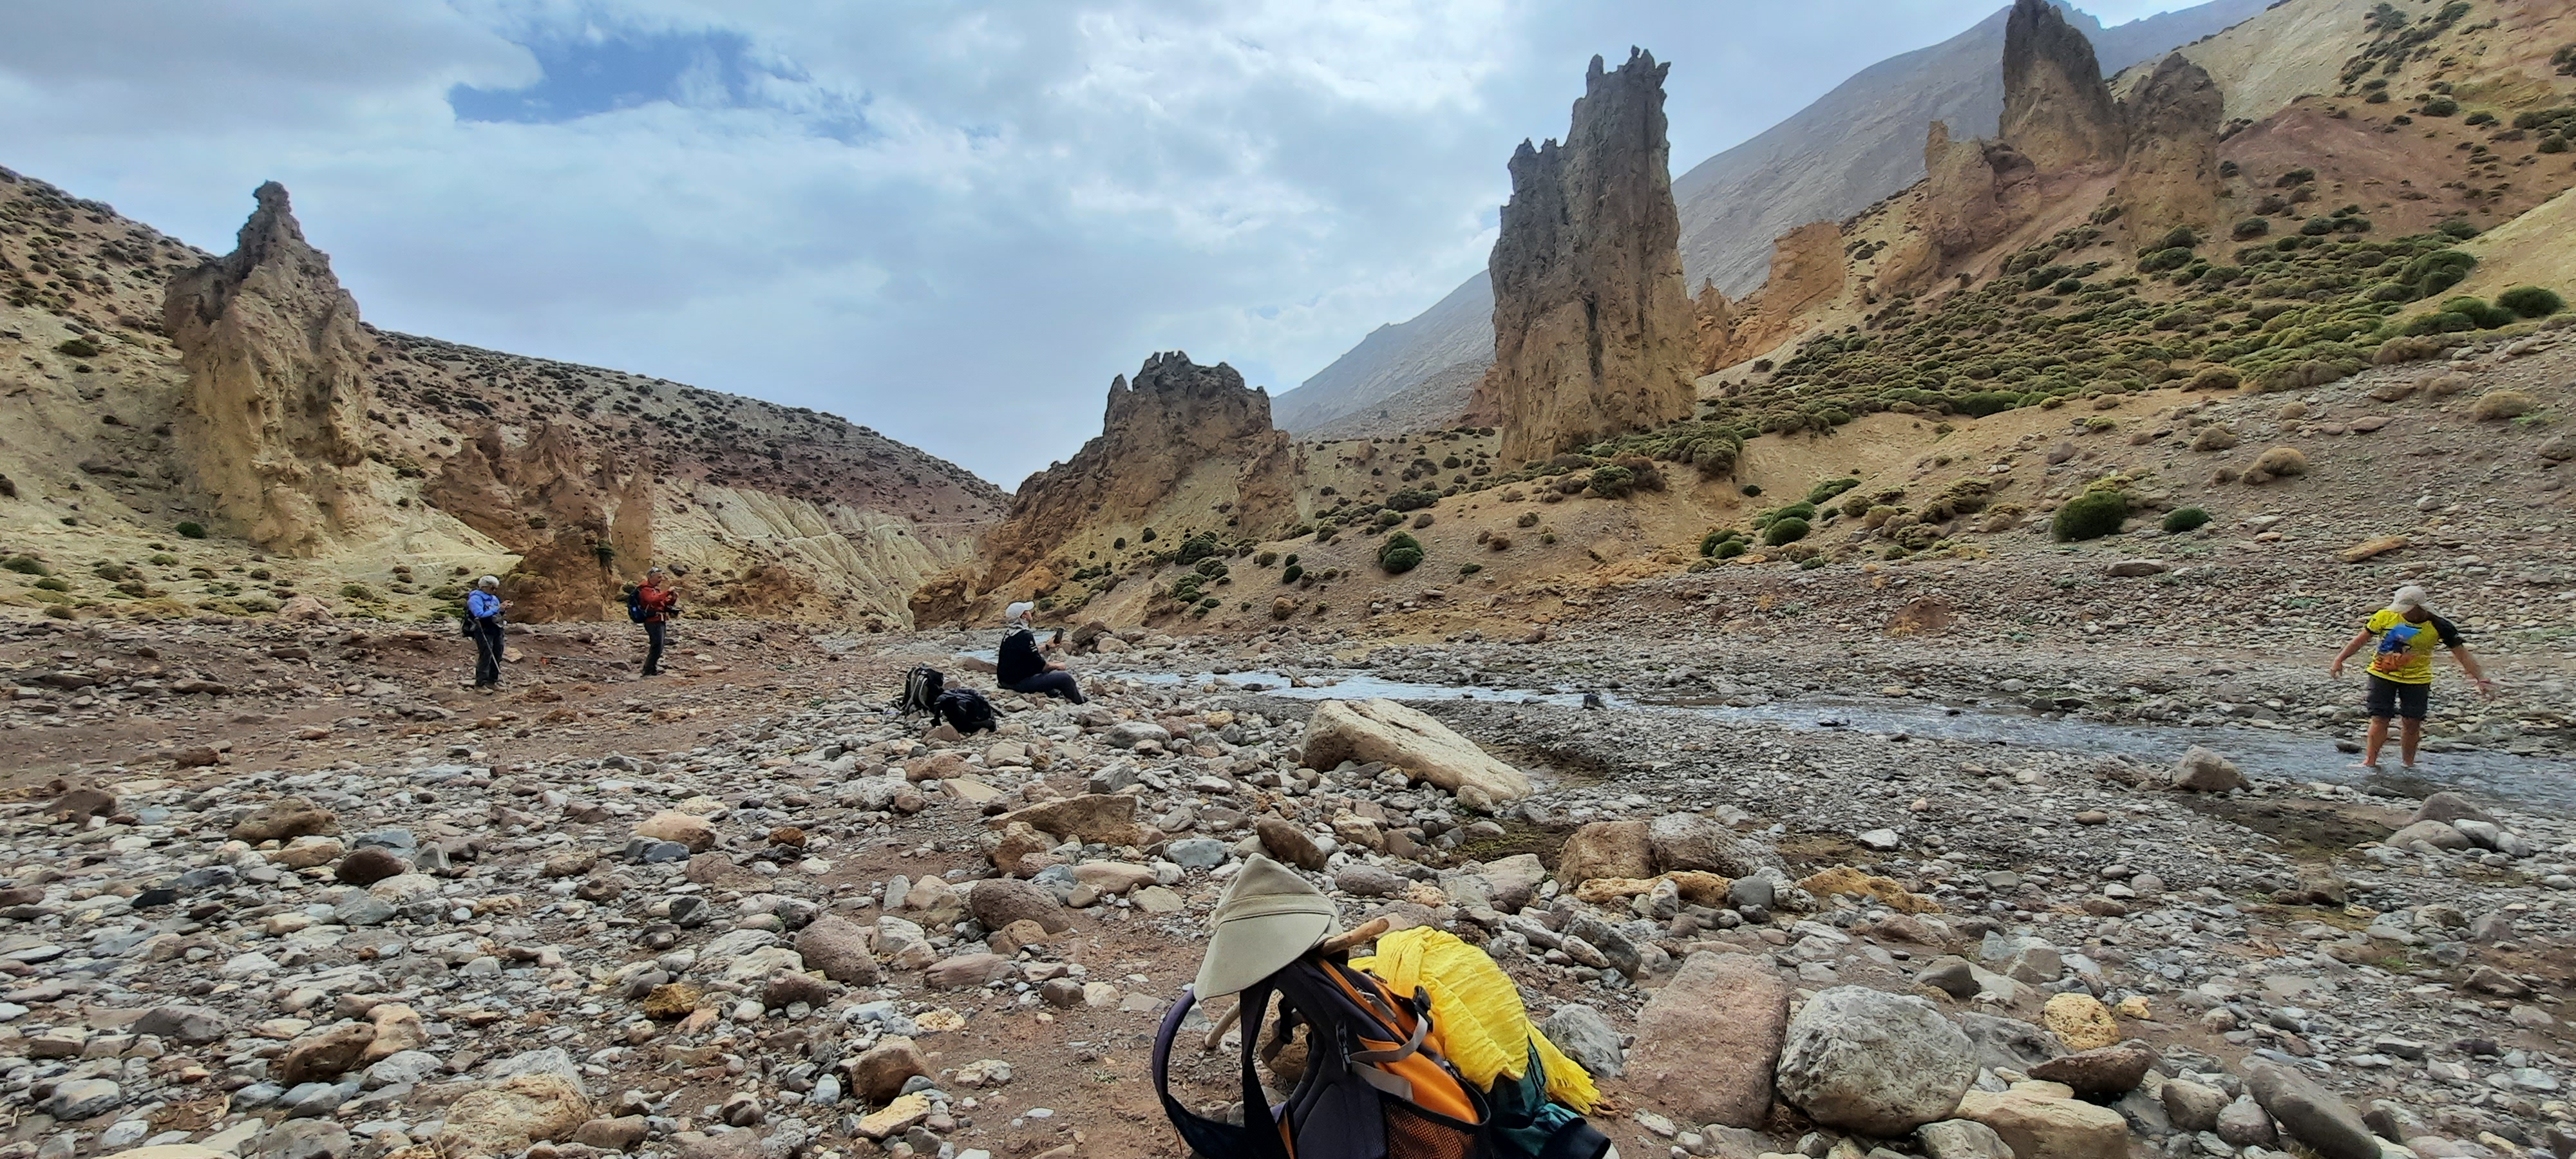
950	221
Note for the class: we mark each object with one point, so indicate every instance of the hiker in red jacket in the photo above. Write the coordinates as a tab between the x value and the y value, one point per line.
660	602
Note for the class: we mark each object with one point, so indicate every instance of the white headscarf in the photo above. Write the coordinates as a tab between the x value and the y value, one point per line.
1017	615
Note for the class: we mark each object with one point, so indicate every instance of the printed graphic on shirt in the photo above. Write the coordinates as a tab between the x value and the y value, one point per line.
2405	653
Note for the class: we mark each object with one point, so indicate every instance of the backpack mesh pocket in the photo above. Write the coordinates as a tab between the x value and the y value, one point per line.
1413	1133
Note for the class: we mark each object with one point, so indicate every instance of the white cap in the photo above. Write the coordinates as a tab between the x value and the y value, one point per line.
1018	613
489	581
2411	598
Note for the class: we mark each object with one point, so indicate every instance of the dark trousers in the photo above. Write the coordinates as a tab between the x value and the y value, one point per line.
1051	684
653	647
487	655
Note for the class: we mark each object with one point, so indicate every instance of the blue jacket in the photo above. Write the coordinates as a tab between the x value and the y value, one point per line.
482	605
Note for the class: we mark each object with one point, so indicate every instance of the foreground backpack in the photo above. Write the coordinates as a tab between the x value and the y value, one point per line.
1372	1084
967	711
921	689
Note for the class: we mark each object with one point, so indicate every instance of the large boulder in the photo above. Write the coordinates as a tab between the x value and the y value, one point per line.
2203	771
2035	1123
839	948
2103	1072
2448	807
1588	1039
505	1119
1382	730
2311	1114
1687	841
1706	1041
1511	882
999	901
687	829
1093	818
1878	1063
284	819
1605	849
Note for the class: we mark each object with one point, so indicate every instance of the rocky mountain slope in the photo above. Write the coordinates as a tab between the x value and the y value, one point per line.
1854	146
225	434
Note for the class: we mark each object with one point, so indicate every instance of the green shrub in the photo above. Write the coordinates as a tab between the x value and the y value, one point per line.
2251	228
2531	301
1787	530
1400	553
1290	574
2182	519
2090	515
2458	228
78	346
1198	547
191	530
1147	536
1826	489
1752	490
2440	107
1118	544
2477	311
26	565
1718	538
2553	144
53	584
1730	549
1413	499
1986	402
1265	559
1468	569
1613	482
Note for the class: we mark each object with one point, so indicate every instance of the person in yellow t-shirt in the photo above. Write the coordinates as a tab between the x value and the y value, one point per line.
2401	669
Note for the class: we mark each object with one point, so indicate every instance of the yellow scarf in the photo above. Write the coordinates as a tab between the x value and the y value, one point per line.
1476	1011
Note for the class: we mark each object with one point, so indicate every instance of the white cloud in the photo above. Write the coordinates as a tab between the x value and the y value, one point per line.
950	222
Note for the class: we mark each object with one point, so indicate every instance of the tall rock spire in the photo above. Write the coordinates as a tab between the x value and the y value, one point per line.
2170	174
2057	108
1593	332
275	407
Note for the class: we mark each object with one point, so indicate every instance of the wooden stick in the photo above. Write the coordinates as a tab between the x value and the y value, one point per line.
1366	933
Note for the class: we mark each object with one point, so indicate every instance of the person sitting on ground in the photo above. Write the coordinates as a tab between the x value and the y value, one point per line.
1021	664
2401	671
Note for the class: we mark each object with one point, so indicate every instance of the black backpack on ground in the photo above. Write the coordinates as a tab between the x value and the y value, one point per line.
967	711
921	689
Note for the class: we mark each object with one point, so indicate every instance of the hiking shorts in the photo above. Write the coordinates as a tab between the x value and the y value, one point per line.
2389	698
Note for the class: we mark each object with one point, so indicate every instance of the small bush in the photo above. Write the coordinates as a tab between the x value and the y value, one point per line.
191	530
1468	569
1400	553
52	584
2217	378
1752	490
2182	519
1421	521
2531	301
2440	107
2251	228
1828	488
1499	542
2503	404
26	565
79	346
1527	519
2457	228
1613	482
2090	515
1413	499
356	592
1291	574
1265	559
1716	538
1730	549
2279	462
1986	402
1786	530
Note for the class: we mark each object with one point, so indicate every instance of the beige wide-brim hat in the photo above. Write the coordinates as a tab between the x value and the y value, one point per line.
1268	917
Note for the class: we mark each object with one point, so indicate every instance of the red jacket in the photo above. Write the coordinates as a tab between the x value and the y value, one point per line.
657	602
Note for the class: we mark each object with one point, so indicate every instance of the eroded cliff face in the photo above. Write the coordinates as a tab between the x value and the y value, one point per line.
272	422
1808	273
1183	448
581	527
1593	331
2169	176
2057	108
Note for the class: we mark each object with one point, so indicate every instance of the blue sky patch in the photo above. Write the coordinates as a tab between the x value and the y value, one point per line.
592	75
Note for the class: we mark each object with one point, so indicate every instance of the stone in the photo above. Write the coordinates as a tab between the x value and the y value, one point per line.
671	1000
998	901
1198	853
306	1139
1617	849
968	971
82	1099
1362	880
1093	818
1692	841
895	1117
622	1133
696	833
1587	1038
504	1119
1288	844
1113	878
284	819
307	852
2004	1043
2191	1106
1874	1062
371	865
2169	169
1961	1139
2135	568
2033	1123
838	947
2436	834
1011	938
787	988
2310	1114
1952	975
1705	1041
2058	110
2080	1021
1513	881
2448	806
402	1068
193	1025
326	1055
2108	1071
1406	738
397	1028
877	1075
2245	1123
2203	771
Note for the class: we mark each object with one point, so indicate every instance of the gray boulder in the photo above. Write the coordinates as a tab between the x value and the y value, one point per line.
1881	1064
2311	1114
1588	1039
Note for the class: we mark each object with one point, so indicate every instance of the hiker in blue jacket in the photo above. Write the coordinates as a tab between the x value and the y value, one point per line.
483	608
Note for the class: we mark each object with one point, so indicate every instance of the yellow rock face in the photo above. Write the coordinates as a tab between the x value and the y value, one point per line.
2081	1021
895	1117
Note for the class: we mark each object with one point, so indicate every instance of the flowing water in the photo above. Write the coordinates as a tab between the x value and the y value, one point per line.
2542	783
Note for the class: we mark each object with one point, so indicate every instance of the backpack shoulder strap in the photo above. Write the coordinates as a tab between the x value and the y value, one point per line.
1259	1137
